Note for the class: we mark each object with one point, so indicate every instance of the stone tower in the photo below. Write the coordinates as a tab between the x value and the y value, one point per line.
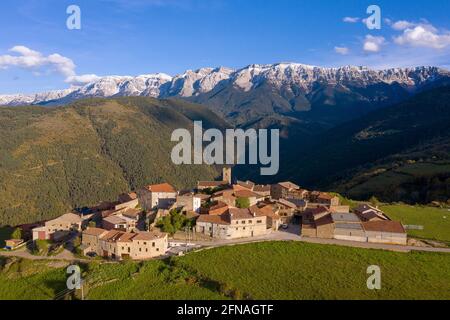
226	175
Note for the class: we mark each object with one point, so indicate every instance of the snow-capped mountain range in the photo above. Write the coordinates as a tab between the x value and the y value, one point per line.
282	76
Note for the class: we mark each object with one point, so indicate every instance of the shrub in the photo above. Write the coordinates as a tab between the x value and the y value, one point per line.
242	203
17	234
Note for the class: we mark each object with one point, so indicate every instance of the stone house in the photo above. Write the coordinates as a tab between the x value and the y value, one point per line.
59	227
189	201
384	231
284	190
127	201
273	220
262	190
328	199
157	196
252	197
203	185
233	224
121	245
317	222
285	209
226	196
90	239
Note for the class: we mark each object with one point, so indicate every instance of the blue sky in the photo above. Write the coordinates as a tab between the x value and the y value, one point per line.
131	37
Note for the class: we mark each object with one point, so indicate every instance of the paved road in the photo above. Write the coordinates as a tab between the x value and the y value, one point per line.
292	234
65	255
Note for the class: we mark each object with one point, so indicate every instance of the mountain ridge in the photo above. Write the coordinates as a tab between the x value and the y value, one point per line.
287	77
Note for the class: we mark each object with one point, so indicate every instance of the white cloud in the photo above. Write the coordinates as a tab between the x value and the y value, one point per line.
342	50
402	25
423	35
373	44
82	79
35	61
351	19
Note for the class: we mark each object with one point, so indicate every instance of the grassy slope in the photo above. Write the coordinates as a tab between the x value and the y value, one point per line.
272	270
306	271
436	227
30	280
52	160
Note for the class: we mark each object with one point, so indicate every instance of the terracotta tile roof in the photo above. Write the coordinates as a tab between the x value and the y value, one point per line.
246	194
238	214
163	187
218	209
94	231
384	226
261	188
318	210
126	237
112	235
149	235
132	213
217	219
191	214
218	205
266	210
289	185
107	213
132	195
245	184
287	203
127	197
114	220
202	196
226	192
323	221
70	217
326	196
211	183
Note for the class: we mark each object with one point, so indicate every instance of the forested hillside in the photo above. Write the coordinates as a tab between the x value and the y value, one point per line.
398	153
55	159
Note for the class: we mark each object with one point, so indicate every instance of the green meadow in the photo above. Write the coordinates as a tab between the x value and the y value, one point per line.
269	270
435	221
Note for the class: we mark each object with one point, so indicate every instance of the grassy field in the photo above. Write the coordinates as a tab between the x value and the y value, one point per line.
30	280
436	221
271	270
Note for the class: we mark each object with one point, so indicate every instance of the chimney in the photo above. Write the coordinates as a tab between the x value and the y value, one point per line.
226	174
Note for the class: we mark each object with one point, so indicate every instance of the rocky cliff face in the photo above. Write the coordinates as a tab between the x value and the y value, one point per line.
282	76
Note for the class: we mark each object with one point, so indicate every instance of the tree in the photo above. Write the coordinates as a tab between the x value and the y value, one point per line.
242	203
17	234
374	201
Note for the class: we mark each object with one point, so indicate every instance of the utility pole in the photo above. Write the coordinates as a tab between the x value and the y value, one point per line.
186	238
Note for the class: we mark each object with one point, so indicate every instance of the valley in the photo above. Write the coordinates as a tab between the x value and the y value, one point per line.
352	130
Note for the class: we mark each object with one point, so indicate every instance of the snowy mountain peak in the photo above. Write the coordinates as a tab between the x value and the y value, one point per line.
193	83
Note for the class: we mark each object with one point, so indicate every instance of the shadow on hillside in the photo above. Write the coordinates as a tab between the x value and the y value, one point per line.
175	272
